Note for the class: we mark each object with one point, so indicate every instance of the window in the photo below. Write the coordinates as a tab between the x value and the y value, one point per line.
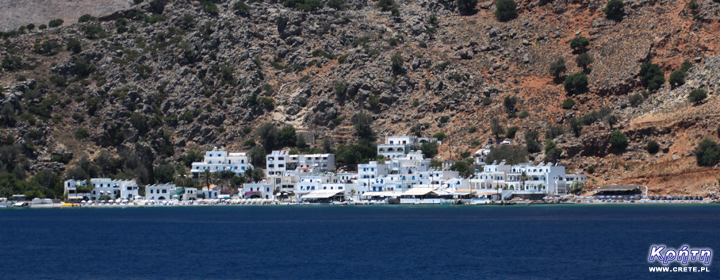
271	158
164	191
281	158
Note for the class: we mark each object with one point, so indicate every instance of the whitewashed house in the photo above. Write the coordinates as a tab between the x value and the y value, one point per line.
263	190
160	192
126	189
398	146
279	162
220	160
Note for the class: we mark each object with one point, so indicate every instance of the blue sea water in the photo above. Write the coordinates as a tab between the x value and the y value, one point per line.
352	242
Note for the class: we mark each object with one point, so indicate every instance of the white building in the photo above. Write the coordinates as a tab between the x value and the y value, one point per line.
127	189
262	190
279	162
525	178
220	160
160	192
210	193
398	146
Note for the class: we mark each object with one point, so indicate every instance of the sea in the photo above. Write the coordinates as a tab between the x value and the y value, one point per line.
353	242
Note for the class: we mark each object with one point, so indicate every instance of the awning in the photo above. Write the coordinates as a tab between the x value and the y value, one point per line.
418	191
320	194
381	194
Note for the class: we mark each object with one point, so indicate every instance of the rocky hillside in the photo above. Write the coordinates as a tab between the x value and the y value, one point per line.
14	14
147	84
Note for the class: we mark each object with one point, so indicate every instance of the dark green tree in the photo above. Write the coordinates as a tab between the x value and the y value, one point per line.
466	6
576	83
579	44
505	10
584	60
707	153
268	134
697	96
652	77
653	147
618	140
615	10
557	68
363	126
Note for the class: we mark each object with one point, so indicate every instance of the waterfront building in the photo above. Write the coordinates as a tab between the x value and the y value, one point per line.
220	160
126	189
213	192
262	189
525	178
279	162
160	192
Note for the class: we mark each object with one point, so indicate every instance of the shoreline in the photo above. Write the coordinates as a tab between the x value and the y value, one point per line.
361	204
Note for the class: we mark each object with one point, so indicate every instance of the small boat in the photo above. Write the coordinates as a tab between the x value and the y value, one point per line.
21	204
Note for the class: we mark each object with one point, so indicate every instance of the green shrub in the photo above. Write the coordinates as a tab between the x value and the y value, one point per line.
42	27
615	10
121	25
677	78
440	136
636	100
340	88
697	96
210	8
487	101
336	4
466	6
472	129
93	31
568	103
30	26
86	18
342	58
137	1
396	62
505	10
584	60
496	128
510	154
241	7
444	119
81	133
707	153
579	44
590	169
524	114
653	147
576	83
618	140
47	48
553	131
557	68
511	132
395	12
652	77
55	23
509	103
155	18
385	5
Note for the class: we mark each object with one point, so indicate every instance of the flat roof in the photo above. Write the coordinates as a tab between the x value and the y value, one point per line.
321	194
418	191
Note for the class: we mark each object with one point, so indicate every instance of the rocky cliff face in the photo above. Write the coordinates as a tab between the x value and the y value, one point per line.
181	77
